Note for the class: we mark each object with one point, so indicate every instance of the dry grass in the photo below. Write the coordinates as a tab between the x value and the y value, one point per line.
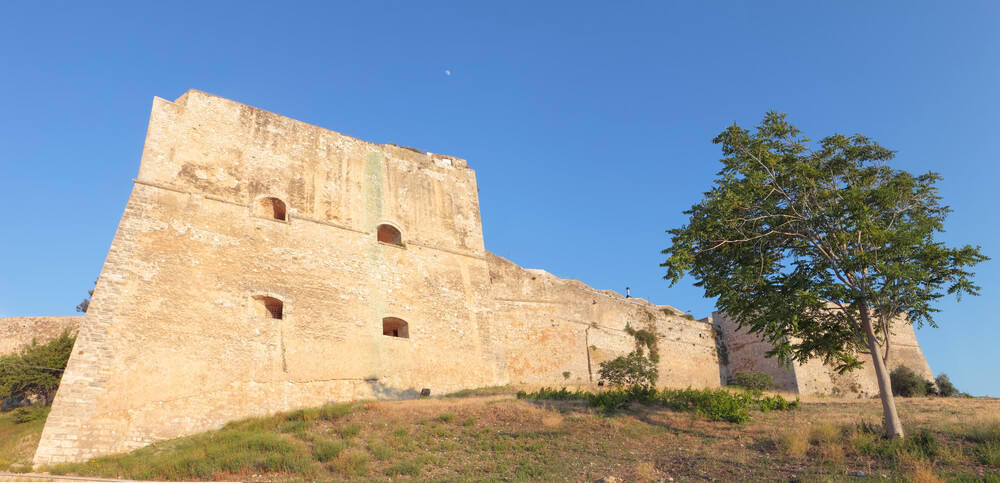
499	438
793	443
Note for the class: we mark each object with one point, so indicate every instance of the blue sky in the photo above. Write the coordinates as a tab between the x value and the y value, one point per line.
589	124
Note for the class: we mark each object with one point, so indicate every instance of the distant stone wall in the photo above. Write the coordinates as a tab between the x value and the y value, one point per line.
746	352
816	378
17	332
547	326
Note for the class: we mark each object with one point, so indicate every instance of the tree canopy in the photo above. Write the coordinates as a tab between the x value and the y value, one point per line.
35	372
819	251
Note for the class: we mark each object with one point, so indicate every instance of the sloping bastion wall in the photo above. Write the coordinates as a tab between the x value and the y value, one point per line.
263	264
746	352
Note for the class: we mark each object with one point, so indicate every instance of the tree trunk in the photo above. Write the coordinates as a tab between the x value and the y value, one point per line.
893	427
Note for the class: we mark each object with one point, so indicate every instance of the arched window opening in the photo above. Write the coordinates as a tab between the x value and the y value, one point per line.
268	307
273	208
389	234
395	327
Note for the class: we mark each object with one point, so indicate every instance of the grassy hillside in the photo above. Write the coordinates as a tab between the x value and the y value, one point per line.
19	440
497	437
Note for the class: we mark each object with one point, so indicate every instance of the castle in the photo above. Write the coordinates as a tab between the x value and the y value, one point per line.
263	264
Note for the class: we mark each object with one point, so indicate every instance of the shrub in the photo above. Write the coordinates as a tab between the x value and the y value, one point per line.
793	443
633	370
35	412
988	454
34	373
720	404
328	450
945	387
776	403
924	444
758	380
906	383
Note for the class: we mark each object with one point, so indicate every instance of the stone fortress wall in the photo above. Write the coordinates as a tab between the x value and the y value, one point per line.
551	325
17	332
263	264
746	352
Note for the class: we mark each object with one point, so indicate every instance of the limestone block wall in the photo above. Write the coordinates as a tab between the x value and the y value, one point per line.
548	326
174	344
17	332
816	378
746	352
219	148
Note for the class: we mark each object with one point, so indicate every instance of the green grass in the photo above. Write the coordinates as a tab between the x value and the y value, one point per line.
349	431
481	392
989	454
275	444
205	456
18	440
408	468
324	451
505	439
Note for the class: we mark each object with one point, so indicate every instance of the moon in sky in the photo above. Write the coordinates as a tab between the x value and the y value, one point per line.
447	72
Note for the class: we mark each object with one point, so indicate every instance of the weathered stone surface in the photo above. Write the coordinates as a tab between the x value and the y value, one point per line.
247	276
549	326
746	352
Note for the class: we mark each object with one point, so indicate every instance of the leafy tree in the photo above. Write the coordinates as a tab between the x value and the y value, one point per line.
945	387
820	251
906	383
35	372
630	371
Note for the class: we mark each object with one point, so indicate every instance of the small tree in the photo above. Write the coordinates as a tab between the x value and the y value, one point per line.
820	251
83	306
945	387
35	372
632	370
758	380
906	383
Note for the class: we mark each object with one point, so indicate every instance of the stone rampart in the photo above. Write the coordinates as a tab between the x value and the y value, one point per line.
263	264
746	352
548	326
17	332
